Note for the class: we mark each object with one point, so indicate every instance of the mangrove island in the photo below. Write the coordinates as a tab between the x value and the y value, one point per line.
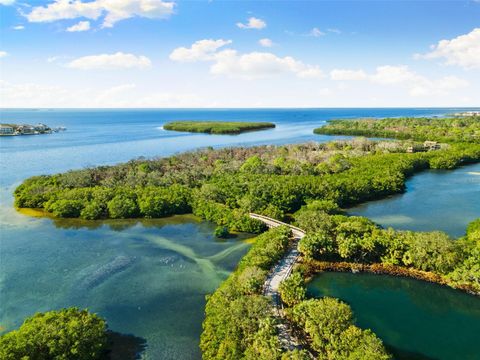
217	127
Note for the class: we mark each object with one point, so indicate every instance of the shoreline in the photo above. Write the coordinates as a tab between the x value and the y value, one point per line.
316	267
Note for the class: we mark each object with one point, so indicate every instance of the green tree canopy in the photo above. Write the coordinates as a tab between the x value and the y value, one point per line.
67	334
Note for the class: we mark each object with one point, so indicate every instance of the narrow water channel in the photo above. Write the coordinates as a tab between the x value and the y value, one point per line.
445	200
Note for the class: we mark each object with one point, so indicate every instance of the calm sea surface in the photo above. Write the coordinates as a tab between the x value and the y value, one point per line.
149	278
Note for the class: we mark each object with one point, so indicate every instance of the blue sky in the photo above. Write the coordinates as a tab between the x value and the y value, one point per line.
154	53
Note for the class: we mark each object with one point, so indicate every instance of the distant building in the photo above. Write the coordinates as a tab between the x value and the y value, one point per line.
26	129
416	148
431	145
468	113
427	146
41	127
6	130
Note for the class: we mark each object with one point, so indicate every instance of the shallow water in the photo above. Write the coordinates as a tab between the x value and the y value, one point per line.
415	319
434	200
147	278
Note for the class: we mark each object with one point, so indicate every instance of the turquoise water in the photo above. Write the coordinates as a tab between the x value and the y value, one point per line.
415	319
147	278
434	200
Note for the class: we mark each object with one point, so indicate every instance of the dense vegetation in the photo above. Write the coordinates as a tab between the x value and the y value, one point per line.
68	334
239	323
457	129
223	186
338	238
328	323
238	320
217	127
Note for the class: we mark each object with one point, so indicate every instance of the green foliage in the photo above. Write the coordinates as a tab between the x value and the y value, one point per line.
221	232
357	239
238	320
68	334
433	251
329	324
93	210
252	165
357	344
456	129
473	231
34	192
292	290
155	202
268	249
467	272
251	279
217	127
123	205
296	355
317	245
223	186
65	208
327	206
447	162
265	343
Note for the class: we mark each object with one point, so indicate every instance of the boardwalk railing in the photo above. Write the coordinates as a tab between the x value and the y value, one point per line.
279	273
296	231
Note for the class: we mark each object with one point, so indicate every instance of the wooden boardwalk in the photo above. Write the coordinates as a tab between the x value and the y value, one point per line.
296	232
279	273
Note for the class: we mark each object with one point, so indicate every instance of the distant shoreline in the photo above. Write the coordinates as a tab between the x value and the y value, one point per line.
9	129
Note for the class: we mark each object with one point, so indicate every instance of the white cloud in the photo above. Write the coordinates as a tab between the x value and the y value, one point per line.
200	50
3	54
17	95
402	76
113	10
316	32
325	92
170	100
260	64
442	86
463	50
80	26
7	2
111	96
249	65
335	31
118	60
52	59
253	23
18	27
265	42
345	74
124	95
392	74
310	72
417	85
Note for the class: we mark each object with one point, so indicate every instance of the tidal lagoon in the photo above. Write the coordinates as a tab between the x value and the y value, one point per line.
415	319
